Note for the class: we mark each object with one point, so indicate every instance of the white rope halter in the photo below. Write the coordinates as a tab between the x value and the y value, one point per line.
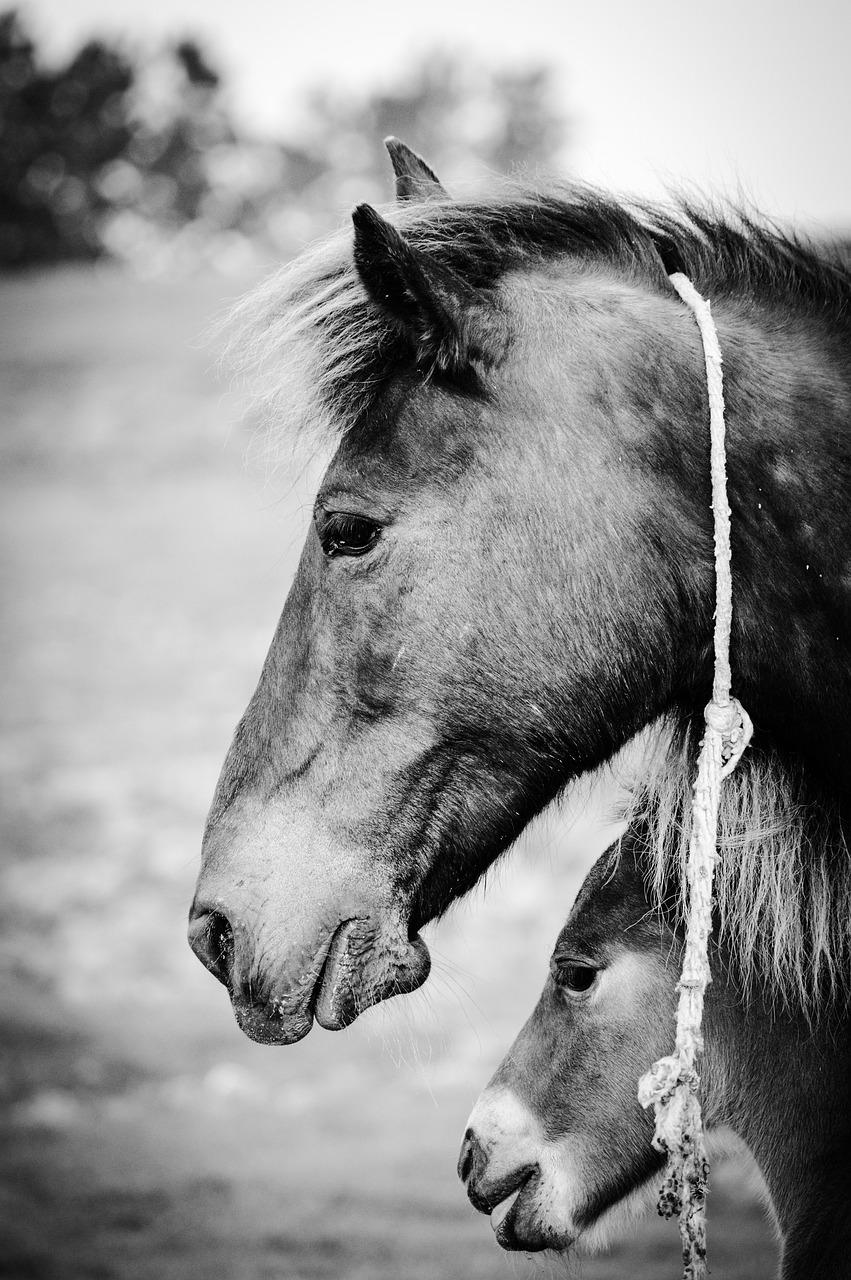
671	1084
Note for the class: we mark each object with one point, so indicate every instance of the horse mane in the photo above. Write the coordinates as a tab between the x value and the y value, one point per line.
314	350
783	875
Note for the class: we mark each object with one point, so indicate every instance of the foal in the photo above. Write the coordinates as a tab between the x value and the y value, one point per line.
557	1142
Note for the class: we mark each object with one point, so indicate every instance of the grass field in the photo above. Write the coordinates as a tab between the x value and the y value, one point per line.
142	1136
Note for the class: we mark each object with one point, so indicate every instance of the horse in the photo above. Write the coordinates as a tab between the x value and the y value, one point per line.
508	581
558	1148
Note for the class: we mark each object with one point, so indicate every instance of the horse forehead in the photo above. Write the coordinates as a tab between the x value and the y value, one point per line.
416	433
611	908
557	313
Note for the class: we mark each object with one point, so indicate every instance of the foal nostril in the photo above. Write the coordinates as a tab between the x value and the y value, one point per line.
211	938
471	1157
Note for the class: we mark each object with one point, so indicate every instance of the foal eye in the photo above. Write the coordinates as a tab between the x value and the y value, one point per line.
343	534
573	977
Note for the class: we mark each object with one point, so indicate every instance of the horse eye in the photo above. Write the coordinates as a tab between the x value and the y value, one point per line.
343	534
573	977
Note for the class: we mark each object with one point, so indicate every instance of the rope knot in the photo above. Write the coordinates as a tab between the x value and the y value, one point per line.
659	1083
735	728
723	719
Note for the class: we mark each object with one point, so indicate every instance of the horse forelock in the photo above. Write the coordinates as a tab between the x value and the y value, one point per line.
315	351
783	875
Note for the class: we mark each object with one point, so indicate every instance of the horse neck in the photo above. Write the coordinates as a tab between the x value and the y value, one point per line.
794	1117
788	395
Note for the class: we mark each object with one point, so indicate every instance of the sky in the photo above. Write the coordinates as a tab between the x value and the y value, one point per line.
749	98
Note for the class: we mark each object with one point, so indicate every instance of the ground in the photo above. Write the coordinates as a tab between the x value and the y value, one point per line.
142	1136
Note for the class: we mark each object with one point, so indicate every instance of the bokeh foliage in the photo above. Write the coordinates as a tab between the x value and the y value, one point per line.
58	129
136	154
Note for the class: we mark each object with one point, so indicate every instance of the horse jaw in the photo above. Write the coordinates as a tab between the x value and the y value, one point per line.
615	1222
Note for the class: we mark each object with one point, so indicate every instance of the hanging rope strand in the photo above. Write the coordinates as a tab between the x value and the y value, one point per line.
671	1085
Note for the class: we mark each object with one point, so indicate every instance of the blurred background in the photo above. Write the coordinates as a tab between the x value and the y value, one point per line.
156	158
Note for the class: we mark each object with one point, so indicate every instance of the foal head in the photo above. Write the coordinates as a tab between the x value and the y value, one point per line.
558	1140
557	1144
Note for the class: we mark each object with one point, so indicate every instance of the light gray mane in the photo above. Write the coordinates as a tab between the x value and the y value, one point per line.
783	876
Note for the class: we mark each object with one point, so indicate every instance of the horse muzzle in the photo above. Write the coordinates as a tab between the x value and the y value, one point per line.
353	963
514	1174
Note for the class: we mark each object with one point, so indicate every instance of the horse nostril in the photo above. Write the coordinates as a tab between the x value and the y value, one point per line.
211	938
220	936
470	1149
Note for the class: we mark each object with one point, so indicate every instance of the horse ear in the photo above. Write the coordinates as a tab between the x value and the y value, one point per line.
449	326
414	179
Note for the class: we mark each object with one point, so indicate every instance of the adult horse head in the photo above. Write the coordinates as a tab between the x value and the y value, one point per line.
558	1148
510	566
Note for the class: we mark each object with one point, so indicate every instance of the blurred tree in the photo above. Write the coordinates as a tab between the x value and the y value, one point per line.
198	70
531	130
141	159
457	112
191	184
160	179
57	129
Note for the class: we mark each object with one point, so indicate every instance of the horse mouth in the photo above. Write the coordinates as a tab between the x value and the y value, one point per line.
332	1001
277	1020
364	965
504	1211
504	1215
357	965
264	1024
516	1223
